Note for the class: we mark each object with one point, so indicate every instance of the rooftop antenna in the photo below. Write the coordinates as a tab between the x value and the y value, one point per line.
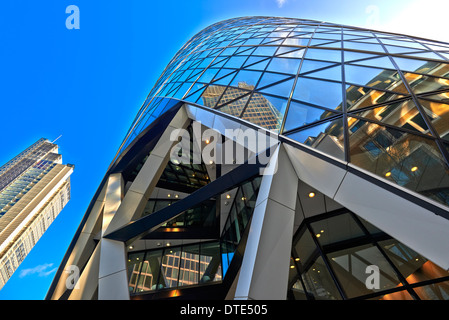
57	138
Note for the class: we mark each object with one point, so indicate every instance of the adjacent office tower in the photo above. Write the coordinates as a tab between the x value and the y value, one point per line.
34	188
351	202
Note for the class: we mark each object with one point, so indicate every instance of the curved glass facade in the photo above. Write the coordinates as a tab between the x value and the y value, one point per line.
373	99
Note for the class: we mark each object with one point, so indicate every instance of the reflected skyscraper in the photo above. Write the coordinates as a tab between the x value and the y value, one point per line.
34	188
358	121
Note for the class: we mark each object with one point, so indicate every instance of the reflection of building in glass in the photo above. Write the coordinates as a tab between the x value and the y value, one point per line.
259	110
361	151
34	188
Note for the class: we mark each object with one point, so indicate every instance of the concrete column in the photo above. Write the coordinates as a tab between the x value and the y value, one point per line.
265	267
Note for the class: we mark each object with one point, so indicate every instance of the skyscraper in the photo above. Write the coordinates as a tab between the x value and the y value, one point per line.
342	191
34	188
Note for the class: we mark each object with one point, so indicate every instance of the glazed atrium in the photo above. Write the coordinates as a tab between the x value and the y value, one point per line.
318	170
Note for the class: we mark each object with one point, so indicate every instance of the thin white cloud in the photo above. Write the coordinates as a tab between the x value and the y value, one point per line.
42	270
281	3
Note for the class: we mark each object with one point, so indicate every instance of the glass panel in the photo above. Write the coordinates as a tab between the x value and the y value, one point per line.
134	265
400	114
420	84
265	51
230	94
409	160
265	111
363	46
189	267
310	65
236	107
326	137
246	79
256	63
436	291
439	115
210	262
382	62
422	66
374	77
413	266
170	268
289	52
149	273
321	93
361	97
284	65
319	282
298	290
333	73
282	89
350	267
300	115
336	229
269	78
322	54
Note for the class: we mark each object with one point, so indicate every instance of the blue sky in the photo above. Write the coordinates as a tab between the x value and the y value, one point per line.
88	84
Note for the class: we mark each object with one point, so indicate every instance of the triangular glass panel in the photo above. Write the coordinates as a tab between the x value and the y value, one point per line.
316	42
224	77
381	62
269	78
363	46
265	111
374	77
283	50
361	97
425	54
438	114
327	137
245	51
396	49
323	54
229	51
195	74
321	93
422	66
311	65
272	41
284	65
194	96
256	63
402	114
351	56
422	84
230	94
282	89
235	62
334	44
246	79
265	51
235	107
208	75
300	115
332	73
211	95
296	41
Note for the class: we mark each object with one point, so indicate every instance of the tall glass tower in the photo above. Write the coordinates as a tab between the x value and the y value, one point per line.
339	188
34	188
